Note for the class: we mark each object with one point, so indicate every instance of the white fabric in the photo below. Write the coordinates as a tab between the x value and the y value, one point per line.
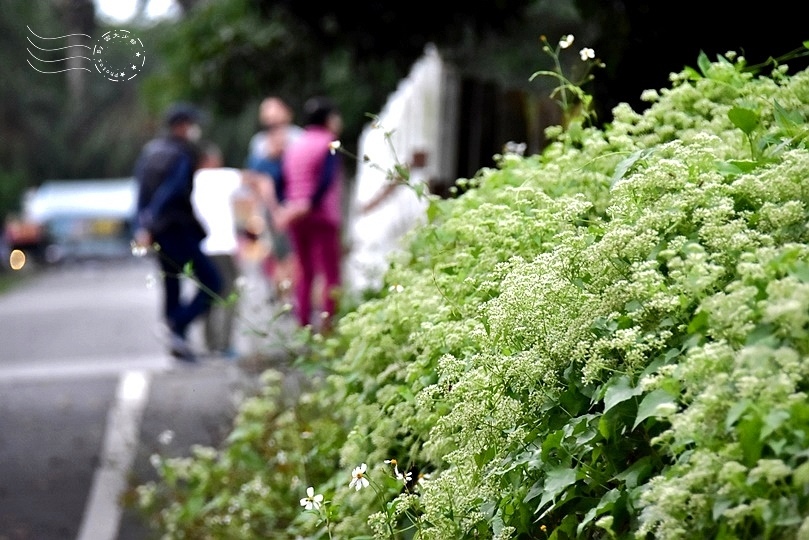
258	142
409	122
212	197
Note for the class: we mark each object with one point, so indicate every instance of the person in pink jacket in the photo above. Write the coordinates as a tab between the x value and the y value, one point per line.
313	179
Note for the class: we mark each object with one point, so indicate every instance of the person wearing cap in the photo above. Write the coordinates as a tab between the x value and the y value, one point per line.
311	212
166	221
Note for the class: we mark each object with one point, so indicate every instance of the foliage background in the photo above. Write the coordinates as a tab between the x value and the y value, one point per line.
229	54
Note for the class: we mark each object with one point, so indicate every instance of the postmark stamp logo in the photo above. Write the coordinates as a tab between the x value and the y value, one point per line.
118	55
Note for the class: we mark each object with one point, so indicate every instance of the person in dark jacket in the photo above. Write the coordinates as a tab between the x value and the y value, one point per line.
166	222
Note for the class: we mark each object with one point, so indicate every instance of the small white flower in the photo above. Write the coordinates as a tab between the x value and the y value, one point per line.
566	41
395	288
665	409
395	466
138	250
334	146
404	478
587	54
311	501
512	147
358	480
166	437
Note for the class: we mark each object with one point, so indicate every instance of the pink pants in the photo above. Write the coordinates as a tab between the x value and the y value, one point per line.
317	245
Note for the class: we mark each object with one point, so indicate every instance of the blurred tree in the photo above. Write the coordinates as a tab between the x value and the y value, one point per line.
27	108
53	128
231	54
78	17
228	54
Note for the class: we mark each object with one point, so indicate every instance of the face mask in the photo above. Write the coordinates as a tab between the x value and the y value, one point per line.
194	133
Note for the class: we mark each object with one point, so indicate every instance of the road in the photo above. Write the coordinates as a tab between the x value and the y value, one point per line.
86	390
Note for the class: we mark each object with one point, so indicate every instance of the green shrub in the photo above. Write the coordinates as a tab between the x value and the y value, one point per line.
605	340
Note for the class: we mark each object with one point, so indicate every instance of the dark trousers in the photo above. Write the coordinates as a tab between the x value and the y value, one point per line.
220	319
180	252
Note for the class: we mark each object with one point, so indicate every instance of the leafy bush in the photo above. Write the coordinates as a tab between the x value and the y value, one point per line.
605	340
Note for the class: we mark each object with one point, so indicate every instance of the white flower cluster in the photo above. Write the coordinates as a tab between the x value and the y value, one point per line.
633	246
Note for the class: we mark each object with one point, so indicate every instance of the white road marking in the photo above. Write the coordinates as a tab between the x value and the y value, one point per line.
102	515
84	367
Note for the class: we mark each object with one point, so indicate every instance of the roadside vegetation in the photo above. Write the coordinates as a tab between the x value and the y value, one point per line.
605	340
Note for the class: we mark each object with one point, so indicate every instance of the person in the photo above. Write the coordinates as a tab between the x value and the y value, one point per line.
165	220
215	190
311	211
265	156
277	128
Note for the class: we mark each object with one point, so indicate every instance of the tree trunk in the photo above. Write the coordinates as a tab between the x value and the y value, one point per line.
79	18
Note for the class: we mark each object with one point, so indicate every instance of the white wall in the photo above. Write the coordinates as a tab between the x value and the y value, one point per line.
419	117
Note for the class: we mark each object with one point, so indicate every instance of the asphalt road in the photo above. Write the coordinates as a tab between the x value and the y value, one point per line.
86	389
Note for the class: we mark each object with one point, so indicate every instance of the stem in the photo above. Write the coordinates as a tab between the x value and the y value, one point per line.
561	86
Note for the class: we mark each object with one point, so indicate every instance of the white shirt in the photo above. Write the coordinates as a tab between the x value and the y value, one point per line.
212	198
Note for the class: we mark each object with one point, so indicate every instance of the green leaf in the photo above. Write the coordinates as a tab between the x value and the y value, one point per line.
726	168
719	507
789	121
573	401
744	165
698	323
535	491
244	432
606	427
606	504
744	118
486	456
556	481
692	74
551	443
194	505
633	305
497	525
801	271
444	236
618	392
636	473
774	420
433	209
762	334
626	164
800	476
704	63
405	392
649	405
735	412
749	433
